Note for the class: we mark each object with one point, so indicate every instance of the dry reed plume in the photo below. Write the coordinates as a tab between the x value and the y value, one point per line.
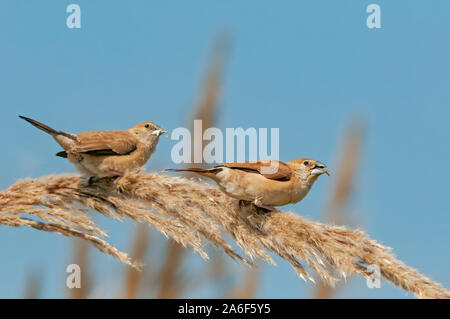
81	258
194	214
205	109
133	276
335	212
170	281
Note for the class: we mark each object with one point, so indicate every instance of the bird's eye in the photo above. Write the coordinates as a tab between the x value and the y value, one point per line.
306	163
147	125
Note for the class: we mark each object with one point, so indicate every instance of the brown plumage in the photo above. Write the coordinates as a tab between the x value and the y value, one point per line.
106	153
265	183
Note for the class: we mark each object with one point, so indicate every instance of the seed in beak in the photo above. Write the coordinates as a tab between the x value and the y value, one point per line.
320	169
157	132
160	131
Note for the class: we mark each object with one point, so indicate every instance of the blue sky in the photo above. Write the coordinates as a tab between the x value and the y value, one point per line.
307	67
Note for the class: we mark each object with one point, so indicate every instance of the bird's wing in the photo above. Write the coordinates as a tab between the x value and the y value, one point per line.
105	143
272	169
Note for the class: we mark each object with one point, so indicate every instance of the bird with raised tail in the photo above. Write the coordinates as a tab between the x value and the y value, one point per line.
265	183
100	154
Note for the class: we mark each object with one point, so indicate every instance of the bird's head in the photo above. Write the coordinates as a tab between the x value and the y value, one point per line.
147	132
308	170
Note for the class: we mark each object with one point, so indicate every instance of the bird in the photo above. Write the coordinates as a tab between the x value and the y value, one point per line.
99	154
255	182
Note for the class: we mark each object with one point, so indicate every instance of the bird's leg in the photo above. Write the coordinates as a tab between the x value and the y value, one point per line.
119	181
92	180
244	203
87	181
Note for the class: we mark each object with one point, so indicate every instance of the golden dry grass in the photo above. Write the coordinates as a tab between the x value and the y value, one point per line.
207	106
206	110
33	284
195	214
346	172
169	283
133	276
247	288
81	258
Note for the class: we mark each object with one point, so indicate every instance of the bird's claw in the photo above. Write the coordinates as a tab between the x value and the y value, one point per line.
120	183
92	180
89	181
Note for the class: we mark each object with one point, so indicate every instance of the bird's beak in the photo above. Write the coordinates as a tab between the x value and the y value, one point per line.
159	131
319	169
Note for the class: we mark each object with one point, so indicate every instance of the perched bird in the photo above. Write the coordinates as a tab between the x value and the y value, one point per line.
255	182
106	153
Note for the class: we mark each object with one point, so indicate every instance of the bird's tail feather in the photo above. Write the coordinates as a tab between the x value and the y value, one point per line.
46	128
39	125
